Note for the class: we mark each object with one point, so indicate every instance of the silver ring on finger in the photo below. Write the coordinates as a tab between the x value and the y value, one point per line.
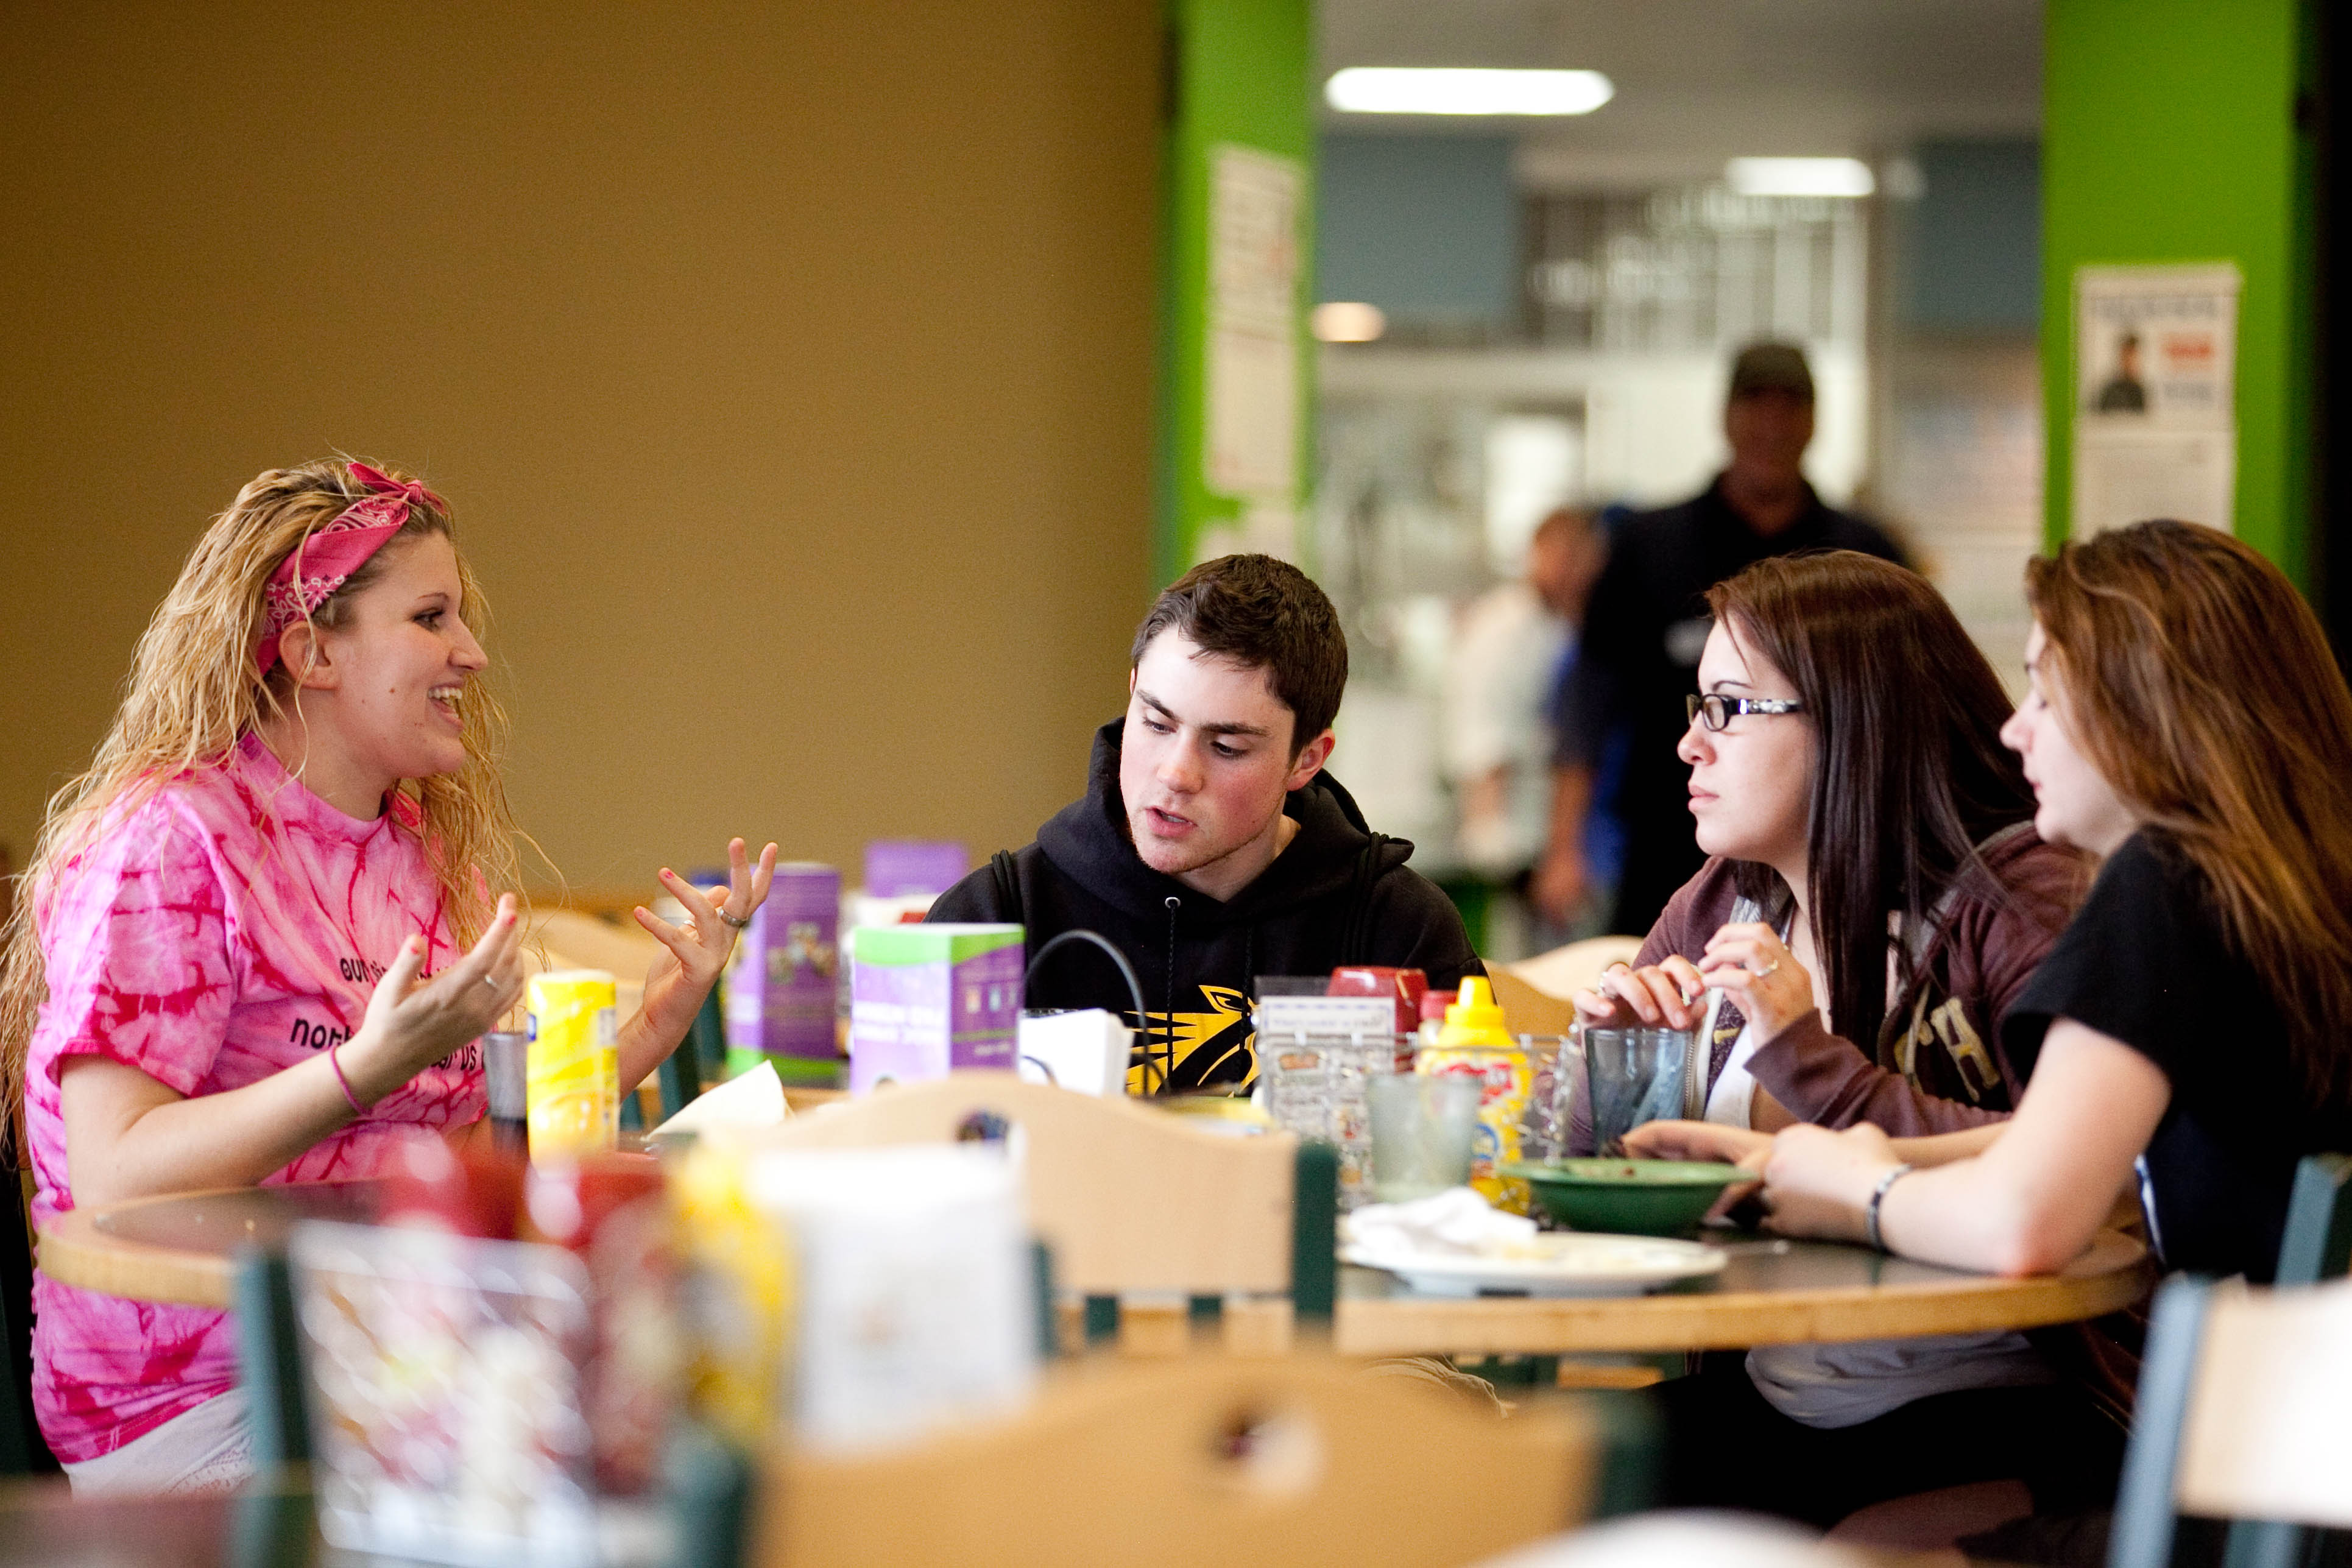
1767	969
738	922
492	982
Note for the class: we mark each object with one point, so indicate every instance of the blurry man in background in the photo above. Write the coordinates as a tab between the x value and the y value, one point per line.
2124	391
1497	739
1638	658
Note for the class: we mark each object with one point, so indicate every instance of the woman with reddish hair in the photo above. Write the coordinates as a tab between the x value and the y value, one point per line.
2189	1036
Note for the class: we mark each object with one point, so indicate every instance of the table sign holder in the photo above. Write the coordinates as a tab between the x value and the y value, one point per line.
447	1381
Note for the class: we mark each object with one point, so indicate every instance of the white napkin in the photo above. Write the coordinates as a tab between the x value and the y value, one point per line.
754	1099
1455	1222
1086	1051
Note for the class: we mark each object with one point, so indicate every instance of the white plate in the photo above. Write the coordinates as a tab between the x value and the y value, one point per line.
1559	1263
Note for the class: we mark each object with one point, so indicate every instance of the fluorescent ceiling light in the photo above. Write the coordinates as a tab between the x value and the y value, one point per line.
1349	321
1402	90
1799	178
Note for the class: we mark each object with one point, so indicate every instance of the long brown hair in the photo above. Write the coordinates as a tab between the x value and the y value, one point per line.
1909	773
2192	675
193	691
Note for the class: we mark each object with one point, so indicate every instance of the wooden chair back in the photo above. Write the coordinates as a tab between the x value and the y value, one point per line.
1130	1198
2245	1411
23	1452
2243	1400
1565	971
1208	1460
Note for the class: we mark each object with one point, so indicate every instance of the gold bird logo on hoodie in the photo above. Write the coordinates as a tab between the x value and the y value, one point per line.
1177	1052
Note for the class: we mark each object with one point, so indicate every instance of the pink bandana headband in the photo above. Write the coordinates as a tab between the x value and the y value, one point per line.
326	557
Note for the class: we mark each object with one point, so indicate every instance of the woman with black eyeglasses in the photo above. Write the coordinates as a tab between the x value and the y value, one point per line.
1874	893
1874	901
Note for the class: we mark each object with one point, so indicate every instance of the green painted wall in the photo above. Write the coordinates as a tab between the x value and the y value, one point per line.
1240	73
2170	136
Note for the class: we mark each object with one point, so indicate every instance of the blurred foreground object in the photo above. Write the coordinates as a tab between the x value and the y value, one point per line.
1206	1460
1685	1540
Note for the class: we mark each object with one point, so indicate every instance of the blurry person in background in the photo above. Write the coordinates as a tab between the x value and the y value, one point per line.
1638	658
1509	653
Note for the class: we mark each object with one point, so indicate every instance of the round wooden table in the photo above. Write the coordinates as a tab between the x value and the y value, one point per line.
182	1249
1769	1292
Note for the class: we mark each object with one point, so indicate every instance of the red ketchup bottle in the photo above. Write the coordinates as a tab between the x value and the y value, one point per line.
475	1194
1407	986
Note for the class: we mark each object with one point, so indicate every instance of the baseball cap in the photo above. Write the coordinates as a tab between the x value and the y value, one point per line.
1771	367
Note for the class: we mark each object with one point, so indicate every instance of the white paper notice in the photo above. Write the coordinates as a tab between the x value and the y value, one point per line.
2155	354
1251	437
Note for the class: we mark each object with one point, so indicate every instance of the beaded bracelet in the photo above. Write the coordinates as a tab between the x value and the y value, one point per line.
336	1062
1878	1196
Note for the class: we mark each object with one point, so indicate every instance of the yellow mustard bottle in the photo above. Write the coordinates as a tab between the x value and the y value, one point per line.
1474	1041
739	1295
1473	1017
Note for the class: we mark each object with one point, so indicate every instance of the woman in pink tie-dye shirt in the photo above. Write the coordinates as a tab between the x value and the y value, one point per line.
258	945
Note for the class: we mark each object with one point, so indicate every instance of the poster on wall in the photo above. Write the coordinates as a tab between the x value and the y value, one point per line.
1251	428
2156	432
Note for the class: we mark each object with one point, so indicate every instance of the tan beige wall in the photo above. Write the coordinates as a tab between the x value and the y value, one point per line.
789	365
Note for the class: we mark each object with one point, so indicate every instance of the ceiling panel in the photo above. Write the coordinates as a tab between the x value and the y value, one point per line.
1702	80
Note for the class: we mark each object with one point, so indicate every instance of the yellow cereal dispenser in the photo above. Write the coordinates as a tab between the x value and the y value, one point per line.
572	1075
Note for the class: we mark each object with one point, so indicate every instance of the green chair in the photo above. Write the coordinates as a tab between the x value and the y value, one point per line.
2317	1248
706	1487
1314	1256
705	1038
677	1080
22	1450
269	1360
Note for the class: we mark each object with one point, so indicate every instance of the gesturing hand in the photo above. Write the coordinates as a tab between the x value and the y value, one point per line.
1750	963
411	1024
682	976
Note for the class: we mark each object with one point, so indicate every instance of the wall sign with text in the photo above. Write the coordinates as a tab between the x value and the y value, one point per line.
2156	428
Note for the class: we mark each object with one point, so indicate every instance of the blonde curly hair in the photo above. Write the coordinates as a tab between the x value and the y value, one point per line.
193	691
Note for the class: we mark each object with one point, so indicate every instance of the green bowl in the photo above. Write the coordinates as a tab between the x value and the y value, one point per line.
1635	1198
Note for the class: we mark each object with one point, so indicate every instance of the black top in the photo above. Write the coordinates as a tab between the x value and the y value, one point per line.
1637	658
1337	884
2145	962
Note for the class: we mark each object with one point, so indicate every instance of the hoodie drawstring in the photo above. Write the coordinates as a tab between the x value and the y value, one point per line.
1168	1067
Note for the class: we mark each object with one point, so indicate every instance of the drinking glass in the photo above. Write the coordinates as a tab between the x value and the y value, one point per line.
1636	1077
1423	1127
1555	1096
505	1064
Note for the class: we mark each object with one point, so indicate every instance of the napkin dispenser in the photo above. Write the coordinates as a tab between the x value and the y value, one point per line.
1085	1050
916	1305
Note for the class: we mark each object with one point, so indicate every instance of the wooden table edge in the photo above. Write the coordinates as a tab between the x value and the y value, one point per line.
74	1251
1422	1325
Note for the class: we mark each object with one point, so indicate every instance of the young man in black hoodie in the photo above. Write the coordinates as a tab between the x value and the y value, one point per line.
1210	847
